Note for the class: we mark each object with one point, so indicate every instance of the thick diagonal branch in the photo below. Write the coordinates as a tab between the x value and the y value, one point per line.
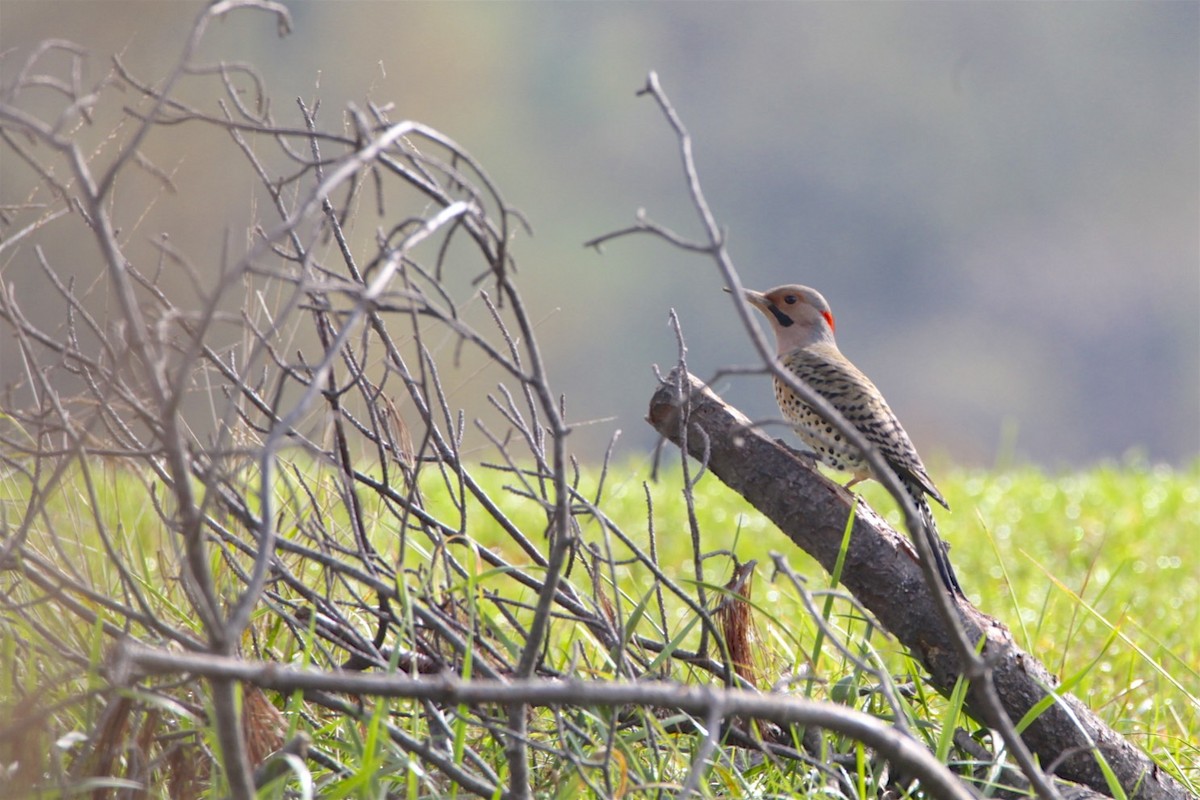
881	570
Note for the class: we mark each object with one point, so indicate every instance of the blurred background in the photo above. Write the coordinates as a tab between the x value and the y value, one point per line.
1001	201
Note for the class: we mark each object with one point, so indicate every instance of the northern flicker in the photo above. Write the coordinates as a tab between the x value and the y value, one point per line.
803	326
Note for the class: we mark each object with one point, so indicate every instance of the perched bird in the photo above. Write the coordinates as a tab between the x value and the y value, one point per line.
803	326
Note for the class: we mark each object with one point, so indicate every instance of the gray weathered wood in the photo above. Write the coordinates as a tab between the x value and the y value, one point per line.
881	570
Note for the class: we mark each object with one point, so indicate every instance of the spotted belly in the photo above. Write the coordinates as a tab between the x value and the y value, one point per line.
819	435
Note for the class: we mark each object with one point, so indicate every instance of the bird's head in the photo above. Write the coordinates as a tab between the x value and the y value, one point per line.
800	316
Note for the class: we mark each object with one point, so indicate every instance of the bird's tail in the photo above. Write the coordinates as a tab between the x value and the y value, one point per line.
941	551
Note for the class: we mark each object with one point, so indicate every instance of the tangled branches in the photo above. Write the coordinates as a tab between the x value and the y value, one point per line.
270	456
321	456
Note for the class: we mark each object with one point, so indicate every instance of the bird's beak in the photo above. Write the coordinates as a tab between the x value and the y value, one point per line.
756	299
769	309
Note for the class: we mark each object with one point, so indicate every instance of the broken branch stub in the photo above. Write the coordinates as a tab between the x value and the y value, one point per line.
881	570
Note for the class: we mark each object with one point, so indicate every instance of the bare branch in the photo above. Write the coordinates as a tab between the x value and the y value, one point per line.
712	702
883	573
974	668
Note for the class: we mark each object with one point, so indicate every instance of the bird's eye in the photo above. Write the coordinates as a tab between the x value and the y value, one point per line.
790	299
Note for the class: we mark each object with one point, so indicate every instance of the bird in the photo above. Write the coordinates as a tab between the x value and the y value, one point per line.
803	325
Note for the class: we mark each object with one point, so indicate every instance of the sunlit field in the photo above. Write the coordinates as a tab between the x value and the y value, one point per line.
1094	572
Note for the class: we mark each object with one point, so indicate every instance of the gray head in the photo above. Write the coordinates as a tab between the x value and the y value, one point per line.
799	316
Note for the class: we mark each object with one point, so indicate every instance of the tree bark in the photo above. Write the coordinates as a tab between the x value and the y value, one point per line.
881	570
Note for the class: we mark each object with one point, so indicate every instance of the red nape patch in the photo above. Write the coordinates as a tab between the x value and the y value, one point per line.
828	315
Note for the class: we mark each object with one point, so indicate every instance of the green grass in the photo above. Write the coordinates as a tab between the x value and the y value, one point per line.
1094	572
